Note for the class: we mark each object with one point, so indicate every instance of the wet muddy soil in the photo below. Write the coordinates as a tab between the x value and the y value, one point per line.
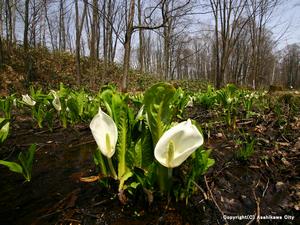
265	185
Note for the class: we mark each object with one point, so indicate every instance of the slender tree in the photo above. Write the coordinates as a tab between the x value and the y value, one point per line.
79	25
26	26
127	43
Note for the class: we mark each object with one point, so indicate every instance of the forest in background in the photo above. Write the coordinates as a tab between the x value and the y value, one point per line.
161	39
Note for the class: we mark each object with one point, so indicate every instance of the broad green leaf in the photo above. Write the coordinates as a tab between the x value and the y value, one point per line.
73	109
81	102
157	102
122	145
12	166
202	162
143	154
118	106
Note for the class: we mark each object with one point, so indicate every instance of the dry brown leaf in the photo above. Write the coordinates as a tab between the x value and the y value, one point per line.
89	179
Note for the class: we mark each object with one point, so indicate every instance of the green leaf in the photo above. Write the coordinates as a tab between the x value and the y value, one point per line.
134	185
73	109
122	145
99	161
125	177
49	117
4	129
202	162
6	105
26	160
40	115
81	102
143	152
12	166
106	96
157	102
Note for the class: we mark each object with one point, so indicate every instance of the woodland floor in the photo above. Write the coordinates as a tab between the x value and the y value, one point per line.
268	183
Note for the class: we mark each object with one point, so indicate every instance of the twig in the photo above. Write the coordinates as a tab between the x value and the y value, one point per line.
49	214
90	215
264	192
201	189
214	200
244	122
47	130
72	220
101	202
82	143
285	138
257	201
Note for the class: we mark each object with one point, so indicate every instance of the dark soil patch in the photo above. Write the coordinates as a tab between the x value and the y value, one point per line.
266	184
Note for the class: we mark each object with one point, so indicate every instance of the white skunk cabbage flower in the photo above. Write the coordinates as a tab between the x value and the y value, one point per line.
105	133
177	144
28	100
56	102
15	102
190	102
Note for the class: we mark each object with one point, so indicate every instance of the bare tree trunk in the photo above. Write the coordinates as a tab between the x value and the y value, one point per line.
127	45
27	57
93	53
107	31
62	27
14	17
43	26
93	48
104	34
79	26
9	28
77	43
1	18
166	38
141	39
49	26
26	26
1	53
218	76
33	24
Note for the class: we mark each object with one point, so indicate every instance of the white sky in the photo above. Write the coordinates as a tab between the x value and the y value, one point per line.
286	23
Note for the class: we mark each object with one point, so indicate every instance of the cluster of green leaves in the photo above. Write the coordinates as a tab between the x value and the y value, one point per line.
70	107
230	101
246	146
75	106
141	121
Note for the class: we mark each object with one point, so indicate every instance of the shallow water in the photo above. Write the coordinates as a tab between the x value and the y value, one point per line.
56	173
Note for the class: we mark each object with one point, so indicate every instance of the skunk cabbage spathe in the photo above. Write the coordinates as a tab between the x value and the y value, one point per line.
56	102
177	144
105	133
28	100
